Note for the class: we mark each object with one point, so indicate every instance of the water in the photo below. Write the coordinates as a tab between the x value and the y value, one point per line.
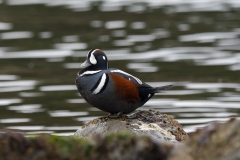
193	45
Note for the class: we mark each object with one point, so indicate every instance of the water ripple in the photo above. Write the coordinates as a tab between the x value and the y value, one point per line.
111	5
5	102
16	35
211	85
31	94
8	77
26	128
115	24
142	67
210	115
206	103
16	89
58	88
66	113
27	108
173	110
201	120
5	26
70	46
86	119
15	120
181	92
18	83
60	128
36	54
76	100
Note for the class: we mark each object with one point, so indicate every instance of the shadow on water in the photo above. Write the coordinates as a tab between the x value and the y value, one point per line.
194	46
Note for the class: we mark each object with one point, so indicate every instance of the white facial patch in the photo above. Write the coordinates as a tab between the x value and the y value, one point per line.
104	57
100	84
92	59
122	72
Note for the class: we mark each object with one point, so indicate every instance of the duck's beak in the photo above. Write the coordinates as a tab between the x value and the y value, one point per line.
85	64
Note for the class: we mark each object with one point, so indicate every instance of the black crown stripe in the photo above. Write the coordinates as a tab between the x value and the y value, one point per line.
89	53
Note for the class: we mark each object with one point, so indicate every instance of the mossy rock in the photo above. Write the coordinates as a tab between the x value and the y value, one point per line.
160	127
15	146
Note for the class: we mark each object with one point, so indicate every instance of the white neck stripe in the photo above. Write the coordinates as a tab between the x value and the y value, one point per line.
90	72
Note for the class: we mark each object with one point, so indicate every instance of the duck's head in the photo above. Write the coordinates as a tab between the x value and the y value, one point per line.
96	60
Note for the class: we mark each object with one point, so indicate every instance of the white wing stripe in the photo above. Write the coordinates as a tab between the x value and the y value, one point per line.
119	71
101	84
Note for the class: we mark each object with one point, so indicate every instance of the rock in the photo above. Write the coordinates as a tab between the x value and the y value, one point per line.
15	146
160	127
216	141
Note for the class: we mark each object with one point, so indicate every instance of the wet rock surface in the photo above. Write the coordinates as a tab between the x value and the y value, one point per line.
160	127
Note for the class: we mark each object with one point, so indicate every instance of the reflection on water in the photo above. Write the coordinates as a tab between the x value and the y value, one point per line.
193	45
16	35
16	86
115	24
28	108
15	120
44	35
8	77
208	36
65	113
70	46
18	83
86	119
27	128
31	94
142	67
5	102
5	26
36	54
58	88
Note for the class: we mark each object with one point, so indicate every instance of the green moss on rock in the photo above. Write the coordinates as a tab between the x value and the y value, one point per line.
15	146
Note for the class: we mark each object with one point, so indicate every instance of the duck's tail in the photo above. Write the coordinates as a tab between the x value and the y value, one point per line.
162	88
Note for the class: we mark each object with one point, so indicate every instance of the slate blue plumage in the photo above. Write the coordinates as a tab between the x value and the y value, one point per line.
111	90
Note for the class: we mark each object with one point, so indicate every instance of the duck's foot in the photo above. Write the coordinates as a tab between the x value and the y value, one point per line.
118	115
134	115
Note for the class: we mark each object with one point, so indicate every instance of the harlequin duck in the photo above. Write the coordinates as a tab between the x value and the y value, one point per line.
109	89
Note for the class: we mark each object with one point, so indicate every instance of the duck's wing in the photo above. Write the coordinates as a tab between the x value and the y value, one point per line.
126	76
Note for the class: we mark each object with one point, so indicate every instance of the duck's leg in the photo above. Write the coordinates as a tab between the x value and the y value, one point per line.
118	115
134	115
